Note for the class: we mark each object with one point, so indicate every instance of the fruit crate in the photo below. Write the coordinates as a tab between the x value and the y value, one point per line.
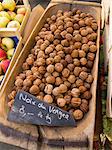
18	42
25	4
82	135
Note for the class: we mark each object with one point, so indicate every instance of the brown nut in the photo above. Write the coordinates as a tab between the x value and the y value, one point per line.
34	89
65	72
56	42
25	66
83	61
76	32
81	23
53	27
61	54
75	92
82	89
89	79
78	38
55	74
37	82
40	97
84	32
42	70
82	53
40	61
77	45
65	43
67	98
79	82
30	60
58	81
61	102
76	26
48	99
48	89
84	69
57	59
50	68
12	95
71	78
19	82
89	64
84	40
56	91
63	88
87	85
90	30
87	95
68	84
85	47
63	62
93	48
70	67
91	56
27	82
94	26
49	37
83	75
77	71
68	58
76	62
50	79
70	30
84	101
75	102
78	114
84	107
74	54
58	67
48	50
63	33
59	47
49	61
42	86
68	36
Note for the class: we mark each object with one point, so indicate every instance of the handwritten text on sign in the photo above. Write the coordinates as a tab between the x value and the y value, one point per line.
29	109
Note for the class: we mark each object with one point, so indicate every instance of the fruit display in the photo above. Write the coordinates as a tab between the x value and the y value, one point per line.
7	48
10	16
58	68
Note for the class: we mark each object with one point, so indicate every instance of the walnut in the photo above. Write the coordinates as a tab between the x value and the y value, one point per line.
53	27
34	89
55	74
87	85
75	92
70	67
84	32
81	53
68	58
53	17
53	54
50	68
22	76
76	26
84	107
76	62
85	47
67	98
27	82
93	48
77	45
48	99
25	66
83	61
70	30
84	69
61	54
83	15
56	42
40	61
58	67
68	84
71	78
94	26
81	23
56	91
83	75
82	89
37	82
79	82
63	88
40	97
59	47
42	69
61	102
48	50
89	79
74	54
77	71
19	82
12	95
49	37
89	64
65	72
87	95
63	62
50	79
84	40
78	114
75	102
65	43
76	32
49	61
61	27
63	33
57	59
58	81
31	77
91	56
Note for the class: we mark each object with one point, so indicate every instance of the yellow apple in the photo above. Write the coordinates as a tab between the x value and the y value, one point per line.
3	22
1	7
19	18
13	24
12	14
5	14
9	4
21	10
7	43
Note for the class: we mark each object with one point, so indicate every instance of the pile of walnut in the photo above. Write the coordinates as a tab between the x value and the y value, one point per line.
58	69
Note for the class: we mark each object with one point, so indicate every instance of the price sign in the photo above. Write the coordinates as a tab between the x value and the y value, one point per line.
29	109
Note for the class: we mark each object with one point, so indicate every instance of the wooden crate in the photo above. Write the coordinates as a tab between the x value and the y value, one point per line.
15	56
82	135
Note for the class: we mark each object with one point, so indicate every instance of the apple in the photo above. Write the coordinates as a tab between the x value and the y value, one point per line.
9	4
12	14
3	54
19	18
1	7
21	10
4	64
13	24
5	14
7	43
10	53
3	22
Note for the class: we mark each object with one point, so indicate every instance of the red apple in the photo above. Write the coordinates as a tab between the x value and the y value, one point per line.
4	64
3	54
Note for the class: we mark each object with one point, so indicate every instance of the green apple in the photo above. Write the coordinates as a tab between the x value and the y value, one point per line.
7	43
9	4
10	53
21	10
3	22
19	18
1	7
12	14
5	14
13	24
